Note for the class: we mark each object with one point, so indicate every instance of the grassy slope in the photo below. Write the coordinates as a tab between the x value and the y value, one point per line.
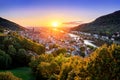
23	72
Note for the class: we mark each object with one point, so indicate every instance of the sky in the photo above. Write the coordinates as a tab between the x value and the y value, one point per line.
40	13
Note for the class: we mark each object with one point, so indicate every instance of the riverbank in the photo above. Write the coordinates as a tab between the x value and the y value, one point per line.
86	42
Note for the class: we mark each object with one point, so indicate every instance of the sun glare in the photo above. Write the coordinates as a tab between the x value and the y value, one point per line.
55	24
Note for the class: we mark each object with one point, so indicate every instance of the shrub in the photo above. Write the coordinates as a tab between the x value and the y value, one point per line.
8	76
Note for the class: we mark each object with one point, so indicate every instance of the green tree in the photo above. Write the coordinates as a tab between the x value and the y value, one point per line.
82	50
104	63
5	60
11	51
7	41
21	57
59	51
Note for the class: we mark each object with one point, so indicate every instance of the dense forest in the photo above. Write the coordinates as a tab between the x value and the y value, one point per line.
102	64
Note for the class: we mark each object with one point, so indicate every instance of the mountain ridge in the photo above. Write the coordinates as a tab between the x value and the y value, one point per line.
7	24
106	24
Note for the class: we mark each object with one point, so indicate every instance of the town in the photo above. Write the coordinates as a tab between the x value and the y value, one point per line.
54	39
74	42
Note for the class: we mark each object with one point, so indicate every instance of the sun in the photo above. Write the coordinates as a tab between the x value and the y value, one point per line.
55	24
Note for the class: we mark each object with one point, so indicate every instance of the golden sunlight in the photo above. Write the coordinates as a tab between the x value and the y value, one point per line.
55	24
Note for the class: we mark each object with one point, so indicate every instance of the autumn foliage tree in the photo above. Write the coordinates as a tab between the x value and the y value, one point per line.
103	64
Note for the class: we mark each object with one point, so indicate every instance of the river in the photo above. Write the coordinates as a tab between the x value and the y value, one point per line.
87	42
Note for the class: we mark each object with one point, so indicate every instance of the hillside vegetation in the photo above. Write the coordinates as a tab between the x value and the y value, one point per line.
103	64
107	24
14	50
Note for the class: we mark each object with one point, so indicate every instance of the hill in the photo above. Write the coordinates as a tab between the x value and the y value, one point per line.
4	23
107	24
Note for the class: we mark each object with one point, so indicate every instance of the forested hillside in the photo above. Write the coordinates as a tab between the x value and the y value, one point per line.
107	24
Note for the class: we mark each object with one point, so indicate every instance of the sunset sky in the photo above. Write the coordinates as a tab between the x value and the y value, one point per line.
44	12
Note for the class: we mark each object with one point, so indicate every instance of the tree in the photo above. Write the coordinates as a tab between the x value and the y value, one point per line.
7	41
82	49
11	51
21	57
5	60
104	63
59	51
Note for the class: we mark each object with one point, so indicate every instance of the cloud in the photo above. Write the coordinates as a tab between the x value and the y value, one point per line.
73	23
